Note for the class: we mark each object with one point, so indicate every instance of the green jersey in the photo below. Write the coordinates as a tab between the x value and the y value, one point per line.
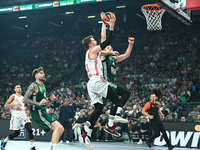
38	97
109	69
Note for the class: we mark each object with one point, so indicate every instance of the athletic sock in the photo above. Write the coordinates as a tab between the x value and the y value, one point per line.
87	129
5	140
32	144
119	110
111	121
50	146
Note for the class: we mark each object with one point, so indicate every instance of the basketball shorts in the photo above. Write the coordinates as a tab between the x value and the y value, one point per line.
43	119
97	88
17	121
114	87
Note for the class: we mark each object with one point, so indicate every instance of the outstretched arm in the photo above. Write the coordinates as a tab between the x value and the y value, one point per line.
108	41
128	51
106	53
9	101
103	29
31	90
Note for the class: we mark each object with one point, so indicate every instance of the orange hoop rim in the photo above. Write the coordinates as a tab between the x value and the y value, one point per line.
152	5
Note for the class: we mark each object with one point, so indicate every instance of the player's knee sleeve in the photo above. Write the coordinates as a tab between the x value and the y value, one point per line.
29	129
15	134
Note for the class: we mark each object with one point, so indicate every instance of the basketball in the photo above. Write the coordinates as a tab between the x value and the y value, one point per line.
107	16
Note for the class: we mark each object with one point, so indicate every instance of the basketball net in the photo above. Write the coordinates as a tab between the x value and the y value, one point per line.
153	14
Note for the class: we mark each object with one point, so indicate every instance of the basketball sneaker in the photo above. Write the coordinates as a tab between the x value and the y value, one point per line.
3	144
120	119
148	143
83	138
112	131
33	148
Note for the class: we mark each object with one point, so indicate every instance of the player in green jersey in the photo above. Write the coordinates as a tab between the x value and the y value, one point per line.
36	97
109	70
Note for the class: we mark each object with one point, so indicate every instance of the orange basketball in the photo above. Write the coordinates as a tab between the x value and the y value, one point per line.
107	16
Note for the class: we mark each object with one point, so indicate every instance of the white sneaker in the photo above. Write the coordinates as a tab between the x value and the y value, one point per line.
80	137
140	142
61	141
88	143
120	119
67	142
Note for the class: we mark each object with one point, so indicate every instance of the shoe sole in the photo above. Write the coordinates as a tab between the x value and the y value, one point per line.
116	135
88	143
2	148
80	138
121	120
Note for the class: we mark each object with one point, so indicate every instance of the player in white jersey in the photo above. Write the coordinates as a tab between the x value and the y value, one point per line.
97	87
19	117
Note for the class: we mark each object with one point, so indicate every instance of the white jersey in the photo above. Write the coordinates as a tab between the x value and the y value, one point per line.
17	110
93	66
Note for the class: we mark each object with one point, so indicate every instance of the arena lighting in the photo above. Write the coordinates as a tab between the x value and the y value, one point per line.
100	21
26	26
70	12
16	27
57	25
23	17
121	6
91	17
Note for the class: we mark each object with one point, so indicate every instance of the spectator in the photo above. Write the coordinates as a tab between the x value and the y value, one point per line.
190	118
183	119
173	110
169	118
145	128
157	92
198	118
195	113
183	98
165	112
102	124
66	116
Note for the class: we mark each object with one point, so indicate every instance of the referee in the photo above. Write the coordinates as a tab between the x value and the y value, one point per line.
151	110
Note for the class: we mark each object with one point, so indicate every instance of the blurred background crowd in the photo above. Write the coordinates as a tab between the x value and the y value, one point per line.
165	63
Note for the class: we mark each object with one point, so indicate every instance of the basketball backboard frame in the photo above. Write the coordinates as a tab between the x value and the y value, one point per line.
177	10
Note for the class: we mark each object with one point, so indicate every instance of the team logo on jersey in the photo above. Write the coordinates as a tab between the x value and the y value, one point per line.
113	70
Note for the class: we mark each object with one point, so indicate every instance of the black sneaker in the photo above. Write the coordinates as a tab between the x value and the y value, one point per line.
3	144
148	143
112	131
171	147
33	148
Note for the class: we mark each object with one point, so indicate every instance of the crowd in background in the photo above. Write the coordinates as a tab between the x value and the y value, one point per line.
167	64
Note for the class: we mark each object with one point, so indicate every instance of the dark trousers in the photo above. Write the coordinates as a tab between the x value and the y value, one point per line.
158	127
147	133
68	127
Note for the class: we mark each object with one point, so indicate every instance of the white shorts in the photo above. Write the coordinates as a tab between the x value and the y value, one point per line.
16	122
97	88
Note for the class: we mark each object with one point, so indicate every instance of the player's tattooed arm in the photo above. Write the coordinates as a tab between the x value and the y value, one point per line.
31	90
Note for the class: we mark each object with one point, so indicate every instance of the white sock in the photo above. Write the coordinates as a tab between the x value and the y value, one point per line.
54	146
6	140
87	129
110	121
50	146
119	110
32	144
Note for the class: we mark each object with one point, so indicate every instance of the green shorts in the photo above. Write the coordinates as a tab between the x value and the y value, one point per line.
114	87
43	119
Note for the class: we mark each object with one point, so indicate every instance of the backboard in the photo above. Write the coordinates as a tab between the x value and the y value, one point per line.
177	8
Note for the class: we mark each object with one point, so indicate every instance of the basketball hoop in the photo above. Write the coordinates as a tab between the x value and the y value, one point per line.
153	14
